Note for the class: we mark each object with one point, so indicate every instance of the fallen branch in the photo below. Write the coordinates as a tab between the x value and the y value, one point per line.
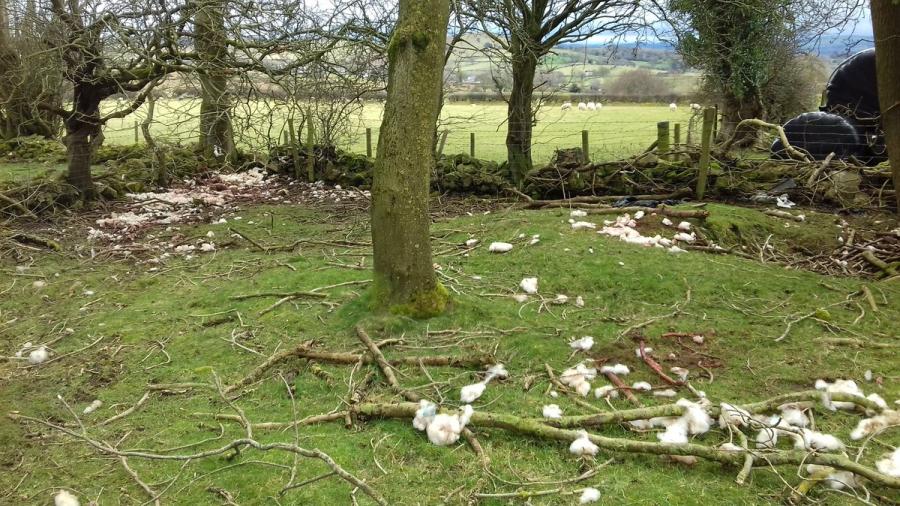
784	214
664	210
597	200
788	148
652	364
304	351
625	389
18	205
870	257
537	429
128	411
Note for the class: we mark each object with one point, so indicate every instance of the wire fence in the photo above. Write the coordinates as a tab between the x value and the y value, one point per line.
613	132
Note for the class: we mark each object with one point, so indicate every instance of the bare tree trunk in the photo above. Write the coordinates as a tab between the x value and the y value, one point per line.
82	129
404	279
734	111
886	25
520	115
216	133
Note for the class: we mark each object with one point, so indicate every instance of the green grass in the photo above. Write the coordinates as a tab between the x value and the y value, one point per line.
617	131
739	304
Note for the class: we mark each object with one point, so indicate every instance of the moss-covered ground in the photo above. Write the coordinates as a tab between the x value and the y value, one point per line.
178	322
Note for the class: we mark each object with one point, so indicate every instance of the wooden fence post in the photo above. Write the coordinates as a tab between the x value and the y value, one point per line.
136	138
715	131
369	142
709	121
676	136
585	147
310	145
472	144
662	140
441	143
295	153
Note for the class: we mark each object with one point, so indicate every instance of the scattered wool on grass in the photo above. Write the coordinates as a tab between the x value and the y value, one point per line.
697	419
730	414
579	301
39	355
65	498
529	285
665	393
560	299
500	247
445	429
667	222
578	213
676	433
794	417
93	406
589	495
583	225
839	386
424	415
875	424
837	480
681	372
647	350
551	411
520	298
730	447
583	446
470	393
583	344
471	242
818	441
642	386
890	464
684	226
606	391
617	369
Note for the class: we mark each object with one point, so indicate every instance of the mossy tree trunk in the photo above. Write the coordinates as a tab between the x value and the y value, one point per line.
83	127
519	110
216	132
886	25
404	278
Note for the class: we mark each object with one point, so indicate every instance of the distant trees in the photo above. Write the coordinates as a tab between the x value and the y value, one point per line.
404	278
637	83
524	33
886	24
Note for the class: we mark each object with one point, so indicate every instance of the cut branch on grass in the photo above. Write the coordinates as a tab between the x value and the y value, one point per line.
128	411
305	351
535	428
588	200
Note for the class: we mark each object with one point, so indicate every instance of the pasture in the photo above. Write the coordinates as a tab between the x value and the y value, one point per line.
615	131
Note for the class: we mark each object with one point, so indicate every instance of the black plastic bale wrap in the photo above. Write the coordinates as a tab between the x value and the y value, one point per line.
820	134
850	102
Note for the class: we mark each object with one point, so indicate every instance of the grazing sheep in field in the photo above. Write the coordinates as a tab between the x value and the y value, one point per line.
599	106
582	106
696	107
592	106
673	106
566	106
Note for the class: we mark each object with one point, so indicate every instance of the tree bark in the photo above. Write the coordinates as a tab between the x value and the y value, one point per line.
886	25
82	129
216	133
736	110
404	279
520	114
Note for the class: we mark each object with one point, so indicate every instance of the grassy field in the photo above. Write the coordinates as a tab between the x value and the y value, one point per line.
178	322
616	131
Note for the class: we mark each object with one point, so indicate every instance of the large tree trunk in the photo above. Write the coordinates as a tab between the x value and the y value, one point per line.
216	133
520	114
82	130
735	110
404	279
886	25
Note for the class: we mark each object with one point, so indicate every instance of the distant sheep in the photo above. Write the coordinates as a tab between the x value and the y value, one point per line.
592	106
582	106
673	106
696	107
599	106
566	106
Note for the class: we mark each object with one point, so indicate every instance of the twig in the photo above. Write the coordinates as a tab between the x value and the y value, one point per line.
154	497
